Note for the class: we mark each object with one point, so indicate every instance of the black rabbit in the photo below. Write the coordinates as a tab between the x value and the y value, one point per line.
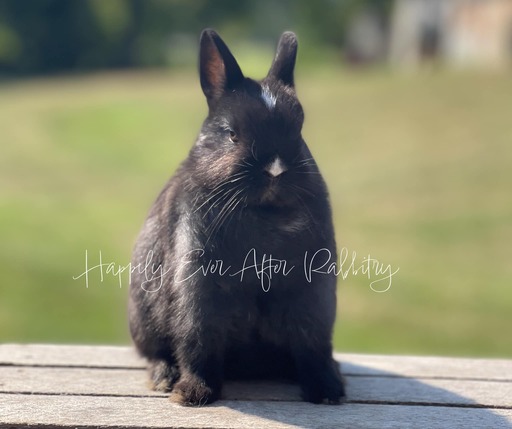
221	291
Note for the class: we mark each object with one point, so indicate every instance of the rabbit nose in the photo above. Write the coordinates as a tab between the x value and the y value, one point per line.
276	167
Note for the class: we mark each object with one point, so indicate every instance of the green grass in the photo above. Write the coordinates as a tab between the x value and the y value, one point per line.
419	169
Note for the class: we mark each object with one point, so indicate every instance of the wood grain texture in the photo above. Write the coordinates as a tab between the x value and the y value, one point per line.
88	386
118	382
57	355
422	366
76	411
353	364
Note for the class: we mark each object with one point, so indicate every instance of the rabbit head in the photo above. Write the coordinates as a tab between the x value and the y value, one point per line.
251	140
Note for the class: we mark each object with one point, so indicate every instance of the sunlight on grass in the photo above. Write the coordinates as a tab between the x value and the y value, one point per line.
418	168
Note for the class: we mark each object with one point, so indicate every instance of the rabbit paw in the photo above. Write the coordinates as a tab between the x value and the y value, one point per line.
328	388
193	392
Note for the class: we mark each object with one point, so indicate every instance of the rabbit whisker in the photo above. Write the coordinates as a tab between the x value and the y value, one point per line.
298	156
303	190
244	164
253	151
210	196
309	172
229	216
305	164
302	160
224	214
219	189
225	196
226	193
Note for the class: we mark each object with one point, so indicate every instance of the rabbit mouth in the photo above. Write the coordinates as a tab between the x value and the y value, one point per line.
270	196
274	195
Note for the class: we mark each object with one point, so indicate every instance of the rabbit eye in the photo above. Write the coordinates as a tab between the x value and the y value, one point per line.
232	136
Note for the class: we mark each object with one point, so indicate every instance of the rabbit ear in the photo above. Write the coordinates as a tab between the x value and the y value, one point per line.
284	61
218	69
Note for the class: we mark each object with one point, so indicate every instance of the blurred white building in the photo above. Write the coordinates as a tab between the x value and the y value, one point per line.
460	32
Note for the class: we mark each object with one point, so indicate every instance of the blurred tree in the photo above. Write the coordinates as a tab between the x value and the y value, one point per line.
48	36
51	35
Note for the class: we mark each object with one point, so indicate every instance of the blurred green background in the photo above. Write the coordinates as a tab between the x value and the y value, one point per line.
99	103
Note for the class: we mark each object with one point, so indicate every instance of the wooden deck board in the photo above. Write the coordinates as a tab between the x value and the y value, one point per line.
91	386
105	382
76	411
353	364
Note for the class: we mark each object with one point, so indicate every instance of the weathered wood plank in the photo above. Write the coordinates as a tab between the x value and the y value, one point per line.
108	382
424	366
76	411
353	364
82	381
65	355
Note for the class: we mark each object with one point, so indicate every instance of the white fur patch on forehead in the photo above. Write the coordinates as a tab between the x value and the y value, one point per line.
268	98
